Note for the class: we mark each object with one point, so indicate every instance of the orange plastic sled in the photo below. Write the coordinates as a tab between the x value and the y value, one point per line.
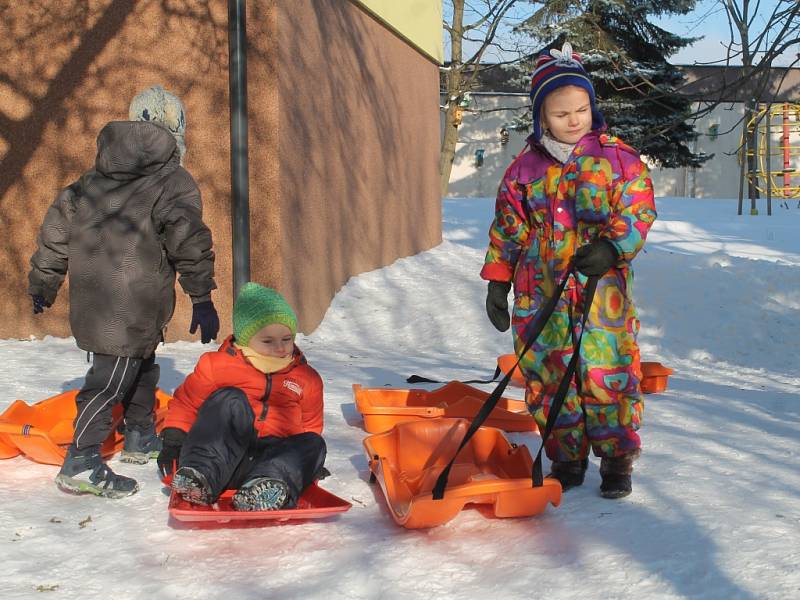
654	377
42	431
383	408
505	362
315	503
654	374
408	459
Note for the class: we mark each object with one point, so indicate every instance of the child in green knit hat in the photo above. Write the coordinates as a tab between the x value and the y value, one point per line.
249	417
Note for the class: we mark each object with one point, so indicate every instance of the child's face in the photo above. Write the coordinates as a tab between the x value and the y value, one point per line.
273	340
567	113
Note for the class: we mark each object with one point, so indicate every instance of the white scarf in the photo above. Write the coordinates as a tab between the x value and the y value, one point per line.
559	150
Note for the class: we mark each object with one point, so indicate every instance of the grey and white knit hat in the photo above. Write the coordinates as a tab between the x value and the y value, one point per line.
163	107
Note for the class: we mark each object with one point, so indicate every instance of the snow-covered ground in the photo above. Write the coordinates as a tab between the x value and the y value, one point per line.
715	511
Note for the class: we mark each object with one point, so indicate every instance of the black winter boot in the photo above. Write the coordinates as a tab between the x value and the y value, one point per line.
262	493
192	485
84	472
141	444
616	473
569	473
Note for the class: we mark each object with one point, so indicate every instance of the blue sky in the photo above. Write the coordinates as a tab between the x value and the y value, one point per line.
707	20
711	22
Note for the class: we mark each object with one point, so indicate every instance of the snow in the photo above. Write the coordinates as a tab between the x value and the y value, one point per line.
715	511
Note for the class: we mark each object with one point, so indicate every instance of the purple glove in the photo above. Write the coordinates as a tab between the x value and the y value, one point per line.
204	315
39	304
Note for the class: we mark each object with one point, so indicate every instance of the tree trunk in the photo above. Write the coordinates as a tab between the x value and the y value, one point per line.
453	78
449	141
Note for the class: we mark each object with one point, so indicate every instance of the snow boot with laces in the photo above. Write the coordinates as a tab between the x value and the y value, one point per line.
616	473
262	493
84	472
192	485
141	444
570	473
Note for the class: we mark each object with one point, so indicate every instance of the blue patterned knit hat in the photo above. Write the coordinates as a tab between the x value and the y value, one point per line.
554	70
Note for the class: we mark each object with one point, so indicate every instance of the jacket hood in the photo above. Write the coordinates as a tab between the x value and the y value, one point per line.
131	149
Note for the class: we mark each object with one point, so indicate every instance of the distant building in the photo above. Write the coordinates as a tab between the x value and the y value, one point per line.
496	103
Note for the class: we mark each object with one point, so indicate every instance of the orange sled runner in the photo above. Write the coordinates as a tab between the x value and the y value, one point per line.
407	460
42	431
383	408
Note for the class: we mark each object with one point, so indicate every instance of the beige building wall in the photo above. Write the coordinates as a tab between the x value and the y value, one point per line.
71	66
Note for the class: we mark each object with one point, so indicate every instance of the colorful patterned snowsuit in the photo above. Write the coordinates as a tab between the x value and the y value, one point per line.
544	211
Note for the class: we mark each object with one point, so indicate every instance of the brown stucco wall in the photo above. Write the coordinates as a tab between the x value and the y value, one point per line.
343	136
359	146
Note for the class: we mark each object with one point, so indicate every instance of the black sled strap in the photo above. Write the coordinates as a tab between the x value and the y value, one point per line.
563	386
420	379
539	321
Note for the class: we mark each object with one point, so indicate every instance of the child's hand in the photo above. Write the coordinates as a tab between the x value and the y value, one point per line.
497	304
204	315
39	304
596	258
172	441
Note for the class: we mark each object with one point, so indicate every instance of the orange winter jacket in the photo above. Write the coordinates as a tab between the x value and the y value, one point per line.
285	403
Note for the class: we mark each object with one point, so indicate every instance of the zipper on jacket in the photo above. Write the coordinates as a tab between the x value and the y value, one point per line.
263	415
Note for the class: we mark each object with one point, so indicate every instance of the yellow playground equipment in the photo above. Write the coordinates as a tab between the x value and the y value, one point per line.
776	129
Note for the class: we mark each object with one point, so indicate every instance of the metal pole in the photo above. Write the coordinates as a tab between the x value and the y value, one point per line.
240	190
742	173
769	159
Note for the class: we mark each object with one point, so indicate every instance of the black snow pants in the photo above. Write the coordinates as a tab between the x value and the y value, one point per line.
224	446
109	381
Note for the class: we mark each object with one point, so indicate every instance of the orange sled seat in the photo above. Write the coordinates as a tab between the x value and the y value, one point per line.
315	503
383	408
407	460
43	431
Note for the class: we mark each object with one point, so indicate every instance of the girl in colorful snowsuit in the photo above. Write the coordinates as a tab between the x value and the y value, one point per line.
576	203
250	415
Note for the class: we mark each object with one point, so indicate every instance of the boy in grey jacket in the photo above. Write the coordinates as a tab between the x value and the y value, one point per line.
122	231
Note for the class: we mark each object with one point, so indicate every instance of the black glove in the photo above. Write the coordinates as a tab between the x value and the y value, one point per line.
205	316
171	442
39	304
596	258
497	304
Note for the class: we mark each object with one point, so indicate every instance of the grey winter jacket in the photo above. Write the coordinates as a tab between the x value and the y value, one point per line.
122	231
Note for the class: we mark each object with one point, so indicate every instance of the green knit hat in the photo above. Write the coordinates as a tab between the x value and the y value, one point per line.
258	306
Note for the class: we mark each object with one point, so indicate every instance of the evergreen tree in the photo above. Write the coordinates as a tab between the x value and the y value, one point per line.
626	57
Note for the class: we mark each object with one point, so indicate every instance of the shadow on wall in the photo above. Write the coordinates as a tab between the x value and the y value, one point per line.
71	67
374	192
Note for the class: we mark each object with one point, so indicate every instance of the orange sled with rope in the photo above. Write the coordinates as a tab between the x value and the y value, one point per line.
384	408
408	459
43	431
